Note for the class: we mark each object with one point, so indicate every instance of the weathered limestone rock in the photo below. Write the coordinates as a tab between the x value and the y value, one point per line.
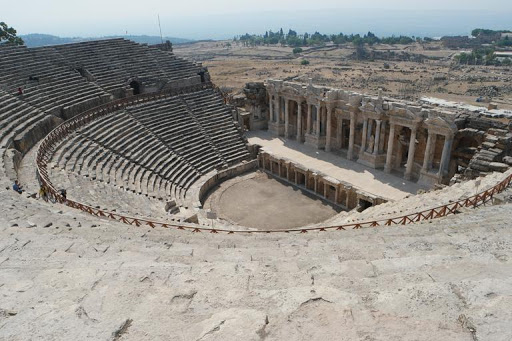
498	166
508	160
255	103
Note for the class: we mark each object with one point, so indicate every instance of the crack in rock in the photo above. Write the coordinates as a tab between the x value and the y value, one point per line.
184	296
311	300
213	330
119	332
466	323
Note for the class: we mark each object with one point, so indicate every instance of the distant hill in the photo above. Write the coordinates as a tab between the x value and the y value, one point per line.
37	39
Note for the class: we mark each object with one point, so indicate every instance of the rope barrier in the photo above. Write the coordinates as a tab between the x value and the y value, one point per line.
51	141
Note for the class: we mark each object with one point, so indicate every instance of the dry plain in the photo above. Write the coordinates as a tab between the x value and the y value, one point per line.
231	65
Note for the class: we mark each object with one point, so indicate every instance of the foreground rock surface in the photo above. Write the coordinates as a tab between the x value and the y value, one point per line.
82	278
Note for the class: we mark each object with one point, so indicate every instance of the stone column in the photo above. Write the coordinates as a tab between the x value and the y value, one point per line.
318	116
299	121
391	142
410	157
428	153
328	130
382	137
308	127
270	111
377	137
445	157
364	136
339	136
286	119
369	132
434	141
350	153
277	112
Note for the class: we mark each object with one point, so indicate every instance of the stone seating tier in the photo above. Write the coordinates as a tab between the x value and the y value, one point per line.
158	149
130	59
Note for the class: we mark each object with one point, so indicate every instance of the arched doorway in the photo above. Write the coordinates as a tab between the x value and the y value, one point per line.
135	85
203	78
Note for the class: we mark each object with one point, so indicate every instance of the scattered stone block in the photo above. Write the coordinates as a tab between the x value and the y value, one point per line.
508	160
498	166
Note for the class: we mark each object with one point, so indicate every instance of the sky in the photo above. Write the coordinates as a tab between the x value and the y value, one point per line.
218	19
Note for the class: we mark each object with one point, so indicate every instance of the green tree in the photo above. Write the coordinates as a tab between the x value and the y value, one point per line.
297	50
305	40
357	41
304	62
8	34
292	33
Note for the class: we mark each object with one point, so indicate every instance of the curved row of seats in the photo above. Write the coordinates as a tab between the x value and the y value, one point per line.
46	81
114	61
16	118
158	149
217	122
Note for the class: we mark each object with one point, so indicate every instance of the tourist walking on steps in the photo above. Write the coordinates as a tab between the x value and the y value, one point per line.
43	193
20	91
17	187
63	193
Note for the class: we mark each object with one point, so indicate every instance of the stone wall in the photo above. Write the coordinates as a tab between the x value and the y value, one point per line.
212	179
412	139
336	192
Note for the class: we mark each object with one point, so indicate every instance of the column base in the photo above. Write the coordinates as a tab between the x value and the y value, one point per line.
429	179
315	141
372	160
276	128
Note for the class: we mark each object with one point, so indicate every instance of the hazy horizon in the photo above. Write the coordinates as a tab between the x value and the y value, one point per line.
222	20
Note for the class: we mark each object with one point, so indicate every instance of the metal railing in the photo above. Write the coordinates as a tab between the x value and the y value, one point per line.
51	141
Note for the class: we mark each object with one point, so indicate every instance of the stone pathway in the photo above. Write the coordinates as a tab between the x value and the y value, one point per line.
87	278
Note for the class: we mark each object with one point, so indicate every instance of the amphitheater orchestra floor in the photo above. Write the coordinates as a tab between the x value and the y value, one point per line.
374	181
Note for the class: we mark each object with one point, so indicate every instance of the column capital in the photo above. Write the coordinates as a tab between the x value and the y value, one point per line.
329	105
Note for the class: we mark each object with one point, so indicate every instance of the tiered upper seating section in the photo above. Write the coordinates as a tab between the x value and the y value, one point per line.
113	63
216	121
16	116
158	148
46	81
